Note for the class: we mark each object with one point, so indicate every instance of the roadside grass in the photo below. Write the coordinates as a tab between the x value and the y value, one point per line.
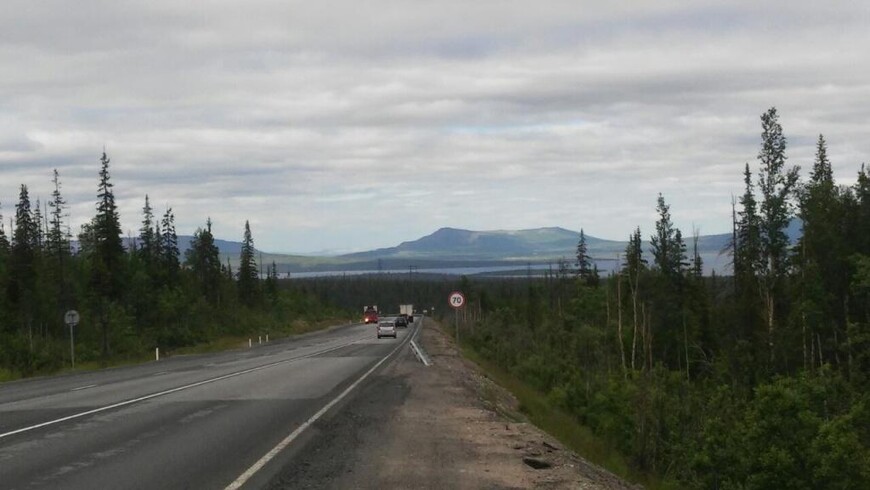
230	342
538	410
7	375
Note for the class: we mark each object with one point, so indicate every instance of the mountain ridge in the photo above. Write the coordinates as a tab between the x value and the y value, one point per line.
457	247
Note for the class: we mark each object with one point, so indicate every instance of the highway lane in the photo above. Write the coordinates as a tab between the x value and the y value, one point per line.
191	422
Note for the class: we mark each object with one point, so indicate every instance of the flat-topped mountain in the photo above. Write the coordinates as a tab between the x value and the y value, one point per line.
455	244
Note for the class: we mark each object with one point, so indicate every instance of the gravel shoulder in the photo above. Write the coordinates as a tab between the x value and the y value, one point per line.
444	426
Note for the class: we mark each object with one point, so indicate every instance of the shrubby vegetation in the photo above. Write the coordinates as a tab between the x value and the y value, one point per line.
132	297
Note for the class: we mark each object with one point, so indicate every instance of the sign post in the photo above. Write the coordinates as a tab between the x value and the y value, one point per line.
71	318
457	301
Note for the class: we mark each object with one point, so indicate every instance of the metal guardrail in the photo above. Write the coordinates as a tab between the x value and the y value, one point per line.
418	350
421	354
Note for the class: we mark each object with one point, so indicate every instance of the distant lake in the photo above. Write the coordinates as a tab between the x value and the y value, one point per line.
495	271
457	271
605	266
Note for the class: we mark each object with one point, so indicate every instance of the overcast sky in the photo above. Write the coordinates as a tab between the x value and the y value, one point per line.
350	125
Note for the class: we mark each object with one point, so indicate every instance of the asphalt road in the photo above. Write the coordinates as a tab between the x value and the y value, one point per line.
185	422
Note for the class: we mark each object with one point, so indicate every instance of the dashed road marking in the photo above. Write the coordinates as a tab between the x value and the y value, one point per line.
83	387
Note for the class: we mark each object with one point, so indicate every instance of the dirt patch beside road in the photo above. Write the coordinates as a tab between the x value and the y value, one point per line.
485	417
445	426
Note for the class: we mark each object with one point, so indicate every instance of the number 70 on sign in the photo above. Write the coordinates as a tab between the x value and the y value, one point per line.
456	299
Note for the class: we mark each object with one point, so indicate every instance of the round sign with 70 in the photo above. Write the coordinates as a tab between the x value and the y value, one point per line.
457	299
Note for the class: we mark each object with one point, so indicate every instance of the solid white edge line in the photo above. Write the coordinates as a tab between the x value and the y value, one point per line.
167	392
244	477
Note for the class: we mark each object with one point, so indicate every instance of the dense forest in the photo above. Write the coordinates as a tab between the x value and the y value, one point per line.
757	380
132	295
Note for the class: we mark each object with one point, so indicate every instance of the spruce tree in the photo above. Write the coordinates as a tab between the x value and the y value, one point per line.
697	263
203	258
667	252
821	258
107	260
107	229
634	265
272	283
57	242
748	260
147	240
748	264
775	212
584	269
678	259
58	246
4	241
248	275
169	252
22	268
38	231
861	191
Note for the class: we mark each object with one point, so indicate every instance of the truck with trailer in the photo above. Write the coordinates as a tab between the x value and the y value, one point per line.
407	311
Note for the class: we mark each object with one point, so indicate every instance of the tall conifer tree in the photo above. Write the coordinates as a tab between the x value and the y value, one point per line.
584	269
776	186
203	258
248	275
169	253
147	240
107	260
23	258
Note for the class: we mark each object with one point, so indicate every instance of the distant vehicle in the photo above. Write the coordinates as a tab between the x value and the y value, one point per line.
402	320
407	310
386	328
370	314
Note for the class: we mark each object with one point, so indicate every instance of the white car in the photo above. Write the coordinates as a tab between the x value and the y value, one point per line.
386	328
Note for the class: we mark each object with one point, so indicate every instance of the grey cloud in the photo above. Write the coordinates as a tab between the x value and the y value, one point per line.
305	115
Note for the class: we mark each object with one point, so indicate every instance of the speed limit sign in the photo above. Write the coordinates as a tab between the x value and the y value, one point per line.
457	299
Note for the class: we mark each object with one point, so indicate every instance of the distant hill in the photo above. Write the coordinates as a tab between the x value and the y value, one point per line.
453	247
521	247
536	244
457	244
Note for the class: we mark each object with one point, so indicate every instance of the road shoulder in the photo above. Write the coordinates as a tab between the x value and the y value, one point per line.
443	426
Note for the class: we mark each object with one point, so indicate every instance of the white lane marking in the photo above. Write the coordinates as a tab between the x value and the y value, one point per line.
241	480
161	372
173	390
83	387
